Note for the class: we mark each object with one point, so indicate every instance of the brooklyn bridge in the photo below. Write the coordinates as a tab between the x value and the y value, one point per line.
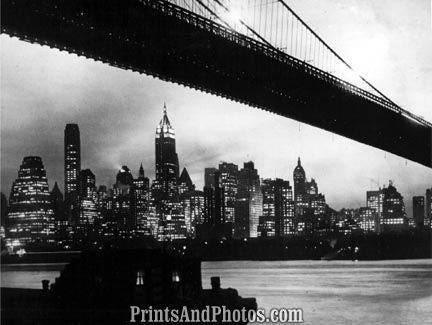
257	52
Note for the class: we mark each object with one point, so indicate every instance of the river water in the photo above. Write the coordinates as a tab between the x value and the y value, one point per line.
332	292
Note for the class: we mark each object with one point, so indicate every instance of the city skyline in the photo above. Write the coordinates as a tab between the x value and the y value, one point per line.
118	110
270	157
170	208
166	126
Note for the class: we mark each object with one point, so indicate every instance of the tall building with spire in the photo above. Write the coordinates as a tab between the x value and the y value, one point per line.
299	176
72	168
30	217
167	166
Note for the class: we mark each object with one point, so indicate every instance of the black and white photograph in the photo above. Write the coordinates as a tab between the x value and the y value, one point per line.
216	162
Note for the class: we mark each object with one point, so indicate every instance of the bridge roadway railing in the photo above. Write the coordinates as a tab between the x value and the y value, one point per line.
170	9
201	22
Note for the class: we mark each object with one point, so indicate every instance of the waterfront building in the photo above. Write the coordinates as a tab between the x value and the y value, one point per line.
31	217
347	220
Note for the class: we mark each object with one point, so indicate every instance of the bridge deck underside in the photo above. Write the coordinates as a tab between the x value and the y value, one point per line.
133	36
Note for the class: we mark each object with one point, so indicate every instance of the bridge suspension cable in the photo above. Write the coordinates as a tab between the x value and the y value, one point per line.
275	24
321	41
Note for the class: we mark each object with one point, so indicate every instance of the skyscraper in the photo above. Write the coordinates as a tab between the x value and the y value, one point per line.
72	168
30	217
301	190
167	165
278	208
214	226
209	179
419	210
228	181
87	197
309	203
124	200
57	205
312	187
193	206
299	177
214	207
317	203
248	206
375	200
142	199
87	184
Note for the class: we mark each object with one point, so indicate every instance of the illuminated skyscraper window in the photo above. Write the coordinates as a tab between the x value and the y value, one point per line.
248	207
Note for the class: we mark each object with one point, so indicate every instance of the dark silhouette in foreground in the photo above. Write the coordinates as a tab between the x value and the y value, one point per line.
101	286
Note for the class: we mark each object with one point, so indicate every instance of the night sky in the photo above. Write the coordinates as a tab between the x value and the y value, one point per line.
387	41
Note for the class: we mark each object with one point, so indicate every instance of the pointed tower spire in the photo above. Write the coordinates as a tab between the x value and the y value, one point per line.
56	190
299	161
165	129
141	171
165	121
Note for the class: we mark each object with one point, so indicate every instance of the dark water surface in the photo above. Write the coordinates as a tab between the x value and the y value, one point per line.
332	292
